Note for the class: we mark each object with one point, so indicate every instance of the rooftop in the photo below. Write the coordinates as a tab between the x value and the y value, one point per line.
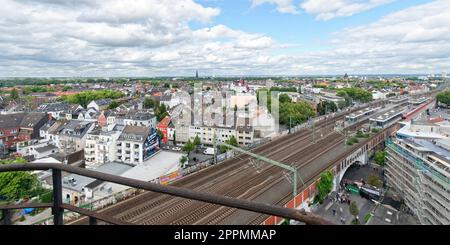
135	133
82	181
21	119
387	116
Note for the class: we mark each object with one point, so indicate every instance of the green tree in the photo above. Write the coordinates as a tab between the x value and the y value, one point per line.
374	180
161	112
380	158
189	147
66	88
444	98
197	141
295	113
325	107
183	159
14	95
357	94
354	209
17	185
114	104
232	141
149	103
84	98
284	98
324	186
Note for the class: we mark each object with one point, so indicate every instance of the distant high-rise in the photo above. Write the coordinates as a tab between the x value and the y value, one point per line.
196	74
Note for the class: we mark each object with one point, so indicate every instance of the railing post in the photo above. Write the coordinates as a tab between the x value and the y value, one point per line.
92	221
57	211
6	217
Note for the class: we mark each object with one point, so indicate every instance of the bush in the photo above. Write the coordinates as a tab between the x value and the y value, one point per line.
375	130
380	158
352	141
46	197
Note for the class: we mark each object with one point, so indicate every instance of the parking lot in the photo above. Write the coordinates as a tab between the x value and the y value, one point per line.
195	157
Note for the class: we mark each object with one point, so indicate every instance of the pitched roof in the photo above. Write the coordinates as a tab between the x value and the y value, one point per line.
103	102
21	120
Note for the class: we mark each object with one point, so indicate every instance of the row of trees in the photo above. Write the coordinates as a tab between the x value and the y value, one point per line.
84	98
356	94
326	107
290	113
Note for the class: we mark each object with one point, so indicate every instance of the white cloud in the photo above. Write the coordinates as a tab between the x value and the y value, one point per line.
329	9
324	9
283	6
108	37
50	38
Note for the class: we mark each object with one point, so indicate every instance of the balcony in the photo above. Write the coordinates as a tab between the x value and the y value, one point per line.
58	206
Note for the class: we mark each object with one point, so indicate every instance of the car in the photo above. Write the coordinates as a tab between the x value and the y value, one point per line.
176	149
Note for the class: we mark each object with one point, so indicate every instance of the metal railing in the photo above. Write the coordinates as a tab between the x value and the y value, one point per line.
58	206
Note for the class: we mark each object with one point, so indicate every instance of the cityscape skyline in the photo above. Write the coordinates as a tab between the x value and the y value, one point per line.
219	38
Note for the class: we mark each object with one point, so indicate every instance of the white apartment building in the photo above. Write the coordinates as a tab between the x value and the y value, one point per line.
101	145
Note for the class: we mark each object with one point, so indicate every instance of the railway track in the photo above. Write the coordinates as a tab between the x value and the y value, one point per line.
219	186
152	208
213	214
259	219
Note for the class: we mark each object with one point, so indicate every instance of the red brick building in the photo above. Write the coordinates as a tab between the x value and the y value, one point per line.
20	127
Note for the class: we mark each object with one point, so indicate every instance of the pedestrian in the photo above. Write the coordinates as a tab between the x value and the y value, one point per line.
334	212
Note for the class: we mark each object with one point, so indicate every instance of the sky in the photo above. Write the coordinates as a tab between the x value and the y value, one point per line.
109	38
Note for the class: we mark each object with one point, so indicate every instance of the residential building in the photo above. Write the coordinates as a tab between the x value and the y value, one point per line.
101	145
71	136
139	118
36	149
19	127
59	110
418	169
100	105
136	144
163	126
245	135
